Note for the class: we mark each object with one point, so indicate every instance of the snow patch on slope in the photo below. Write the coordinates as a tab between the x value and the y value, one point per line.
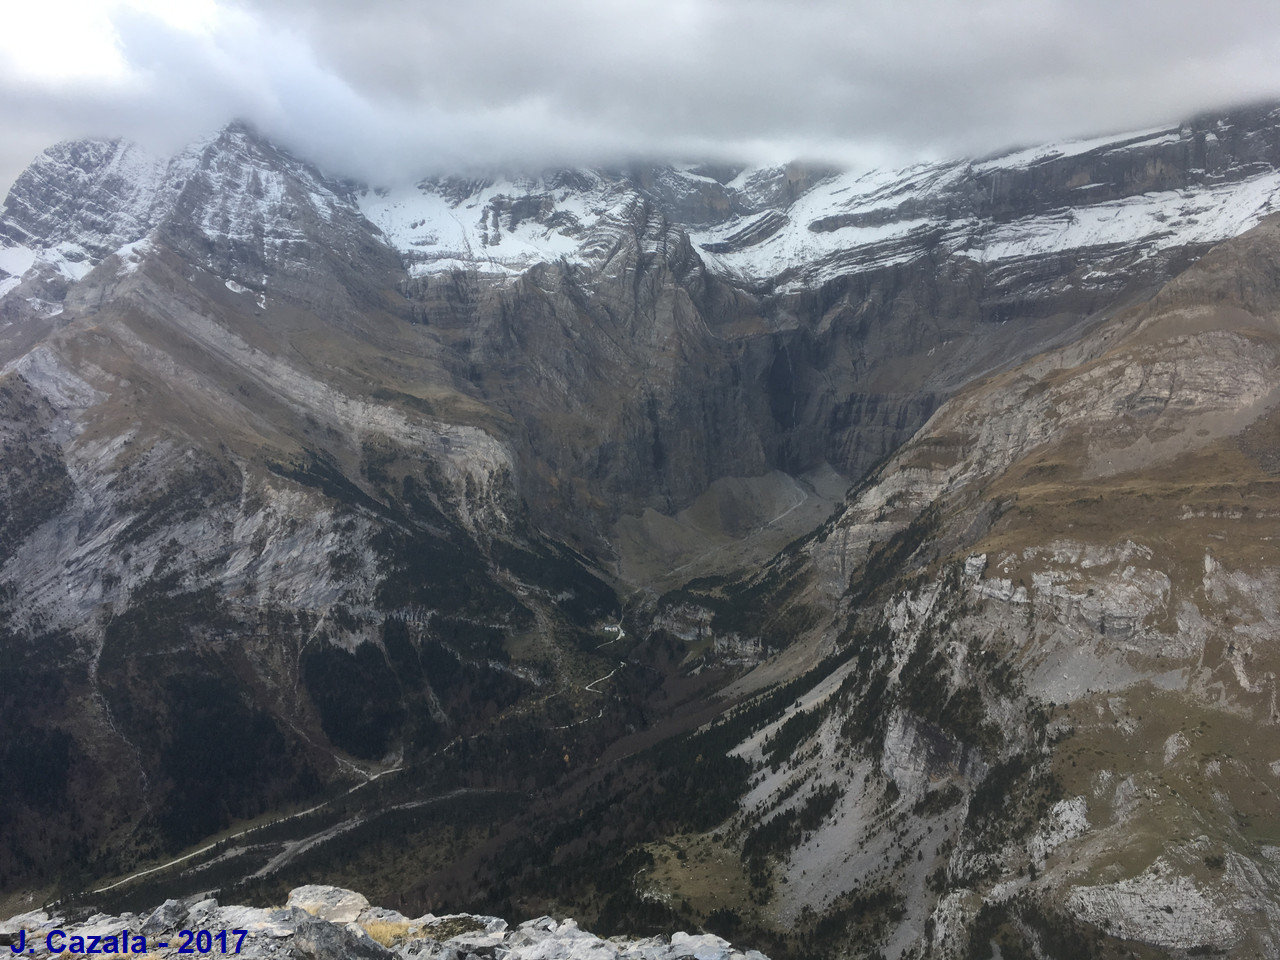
132	254
1160	220
501	227
16	260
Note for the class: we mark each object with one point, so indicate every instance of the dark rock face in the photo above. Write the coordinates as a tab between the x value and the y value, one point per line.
644	374
166	918
316	939
1211	149
34	484
227	571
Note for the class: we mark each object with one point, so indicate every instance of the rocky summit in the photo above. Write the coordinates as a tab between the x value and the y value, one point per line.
838	563
329	923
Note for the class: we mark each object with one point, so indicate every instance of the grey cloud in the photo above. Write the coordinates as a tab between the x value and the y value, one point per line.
390	88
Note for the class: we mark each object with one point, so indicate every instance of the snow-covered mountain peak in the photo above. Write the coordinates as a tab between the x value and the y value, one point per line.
234	195
78	202
251	203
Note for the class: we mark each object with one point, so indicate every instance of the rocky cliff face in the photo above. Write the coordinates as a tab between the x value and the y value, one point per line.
787	319
310	486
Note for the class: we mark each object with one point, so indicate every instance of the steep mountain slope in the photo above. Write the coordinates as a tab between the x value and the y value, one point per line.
236	526
1045	714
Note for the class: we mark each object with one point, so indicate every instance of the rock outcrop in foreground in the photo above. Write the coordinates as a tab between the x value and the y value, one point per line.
329	923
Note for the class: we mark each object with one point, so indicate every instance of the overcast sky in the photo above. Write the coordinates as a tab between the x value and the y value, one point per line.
385	89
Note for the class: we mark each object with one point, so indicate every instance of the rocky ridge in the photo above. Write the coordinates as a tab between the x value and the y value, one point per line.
797	227
329	923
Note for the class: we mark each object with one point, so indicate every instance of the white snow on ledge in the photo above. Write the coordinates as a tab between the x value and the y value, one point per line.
16	260
482	230
132	254
1166	219
484	267
1073	148
871	238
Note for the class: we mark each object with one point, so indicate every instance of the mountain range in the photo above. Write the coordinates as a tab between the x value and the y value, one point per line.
841	562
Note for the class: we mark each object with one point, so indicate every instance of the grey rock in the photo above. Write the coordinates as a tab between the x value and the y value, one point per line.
316	939
166	918
201	911
293	934
541	924
428	949
328	903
